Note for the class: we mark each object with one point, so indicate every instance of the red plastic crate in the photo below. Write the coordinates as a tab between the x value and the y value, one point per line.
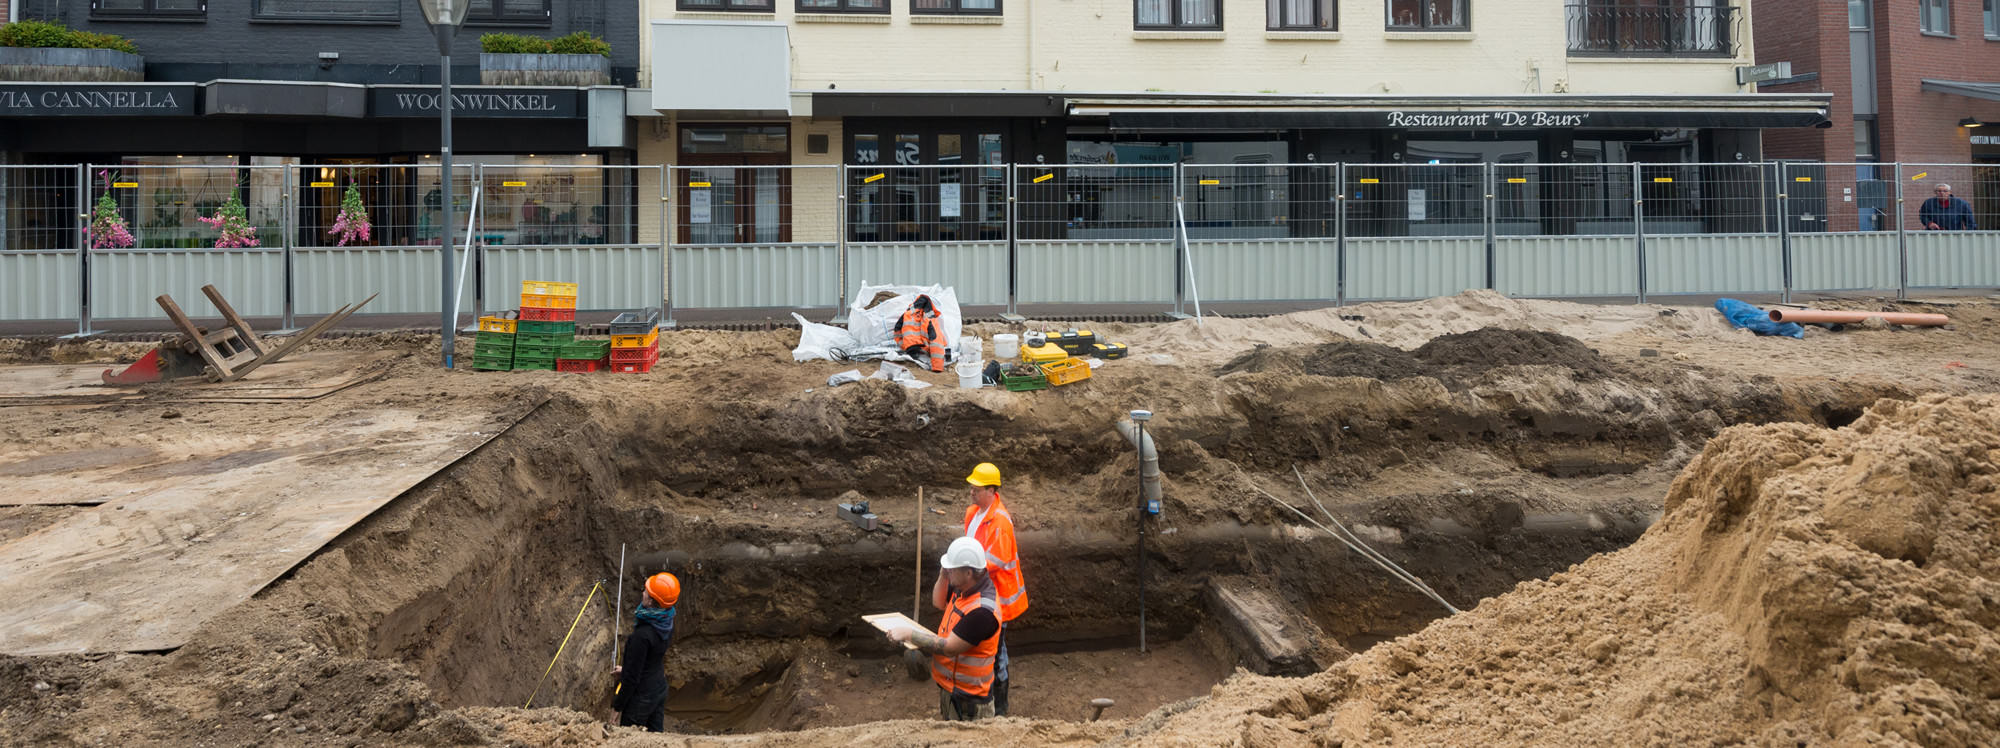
539	314
636	367
636	355
579	364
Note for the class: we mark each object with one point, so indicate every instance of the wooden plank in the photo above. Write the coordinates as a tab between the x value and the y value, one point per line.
144	572
231	318
886	622
217	367
306	335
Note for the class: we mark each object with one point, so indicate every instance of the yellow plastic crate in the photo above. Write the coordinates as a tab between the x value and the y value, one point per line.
548	288
544	301
496	324
635	341
1066	371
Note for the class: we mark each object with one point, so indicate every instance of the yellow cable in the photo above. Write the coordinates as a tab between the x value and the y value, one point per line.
564	645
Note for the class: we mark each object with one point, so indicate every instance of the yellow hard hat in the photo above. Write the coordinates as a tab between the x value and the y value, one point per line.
984	475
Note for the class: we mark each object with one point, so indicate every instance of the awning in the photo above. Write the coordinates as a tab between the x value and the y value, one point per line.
1501	113
1987	91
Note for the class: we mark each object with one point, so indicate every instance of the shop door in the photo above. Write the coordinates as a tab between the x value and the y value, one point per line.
735	199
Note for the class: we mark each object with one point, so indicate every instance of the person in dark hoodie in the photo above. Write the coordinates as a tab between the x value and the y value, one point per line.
642	681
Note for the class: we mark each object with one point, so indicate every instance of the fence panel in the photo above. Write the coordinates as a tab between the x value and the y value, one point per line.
158	229
1840	217
1415	230
39	278
729	276
576	224
1564	230
1263	232
374	228
929	224
1711	228
1952	224
1095	233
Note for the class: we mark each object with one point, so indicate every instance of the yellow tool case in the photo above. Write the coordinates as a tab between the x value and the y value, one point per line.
1075	342
1043	353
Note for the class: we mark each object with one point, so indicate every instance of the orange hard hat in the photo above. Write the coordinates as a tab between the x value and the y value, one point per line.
665	588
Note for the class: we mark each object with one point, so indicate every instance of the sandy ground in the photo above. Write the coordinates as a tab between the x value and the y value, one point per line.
376	640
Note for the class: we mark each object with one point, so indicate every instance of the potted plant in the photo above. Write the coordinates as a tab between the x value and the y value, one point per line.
234	222
578	59
351	223
107	226
43	51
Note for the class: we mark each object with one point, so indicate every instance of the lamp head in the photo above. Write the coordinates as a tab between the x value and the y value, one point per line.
444	12
1970	122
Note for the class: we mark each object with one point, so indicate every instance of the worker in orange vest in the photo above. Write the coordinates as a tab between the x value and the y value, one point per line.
642	681
968	639
988	522
920	334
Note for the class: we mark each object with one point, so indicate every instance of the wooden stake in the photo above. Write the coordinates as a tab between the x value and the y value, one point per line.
917	599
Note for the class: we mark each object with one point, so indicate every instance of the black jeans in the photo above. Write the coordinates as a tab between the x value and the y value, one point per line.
648	713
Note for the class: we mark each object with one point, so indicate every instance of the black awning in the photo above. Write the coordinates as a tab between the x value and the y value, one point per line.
1748	111
285	99
1987	91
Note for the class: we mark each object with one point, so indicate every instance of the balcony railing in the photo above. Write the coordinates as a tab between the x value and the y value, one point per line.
1650	29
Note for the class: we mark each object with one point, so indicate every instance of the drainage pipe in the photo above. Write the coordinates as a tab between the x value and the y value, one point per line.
1824	316
1149	459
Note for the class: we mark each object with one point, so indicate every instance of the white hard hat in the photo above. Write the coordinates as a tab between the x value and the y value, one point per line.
964	553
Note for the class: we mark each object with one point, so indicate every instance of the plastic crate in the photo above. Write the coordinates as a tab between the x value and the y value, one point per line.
500	362
496	339
631	355
1066	371
534	365
635	367
536	314
648	340
542	301
542	338
549	288
496	325
636	323
548	352
582	349
579	364
545	327
1024	378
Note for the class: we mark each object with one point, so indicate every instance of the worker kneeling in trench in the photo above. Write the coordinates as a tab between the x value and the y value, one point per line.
642	681
967	642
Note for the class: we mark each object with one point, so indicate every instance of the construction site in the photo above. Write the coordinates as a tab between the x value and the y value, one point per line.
1471	519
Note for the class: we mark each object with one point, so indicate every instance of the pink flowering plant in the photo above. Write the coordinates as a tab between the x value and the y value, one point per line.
234	223
107	227
351	224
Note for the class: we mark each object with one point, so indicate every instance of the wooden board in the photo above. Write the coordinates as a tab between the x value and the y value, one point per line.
142	573
886	622
305	376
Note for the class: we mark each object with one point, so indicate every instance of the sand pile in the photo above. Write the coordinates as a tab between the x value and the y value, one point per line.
1456	359
1806	584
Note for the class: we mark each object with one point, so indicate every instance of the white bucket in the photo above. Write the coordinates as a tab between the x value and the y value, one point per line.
969	370
1006	346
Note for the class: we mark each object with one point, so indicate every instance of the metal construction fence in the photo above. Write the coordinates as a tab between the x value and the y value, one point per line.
84	241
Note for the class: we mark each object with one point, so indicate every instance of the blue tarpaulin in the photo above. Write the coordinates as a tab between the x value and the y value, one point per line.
1746	315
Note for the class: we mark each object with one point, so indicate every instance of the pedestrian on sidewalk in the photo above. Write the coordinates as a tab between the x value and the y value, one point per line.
1946	213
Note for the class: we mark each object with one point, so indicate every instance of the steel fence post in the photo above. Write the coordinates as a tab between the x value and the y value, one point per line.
840	245
1902	240
83	250
287	214
1639	227
1178	173
667	229
1784	232
1486	171
1340	234
1013	313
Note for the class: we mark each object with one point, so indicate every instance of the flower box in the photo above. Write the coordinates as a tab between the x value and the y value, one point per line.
543	70
66	64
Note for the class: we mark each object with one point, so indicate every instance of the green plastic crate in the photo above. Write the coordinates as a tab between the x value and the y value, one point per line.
586	350
534	365
535	327
496	339
499	362
547	339
1024	378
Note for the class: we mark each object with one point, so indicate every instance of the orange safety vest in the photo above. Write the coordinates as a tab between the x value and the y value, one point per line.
994	529
919	327
969	672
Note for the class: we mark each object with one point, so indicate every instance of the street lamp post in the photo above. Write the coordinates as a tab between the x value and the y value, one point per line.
444	16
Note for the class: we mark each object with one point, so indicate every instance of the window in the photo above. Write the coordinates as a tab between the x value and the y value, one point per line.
956	7
149	8
508	12
1857	14
1993	19
1300	15
338	11
1428	15
755	6
843	6
1935	16
1177	14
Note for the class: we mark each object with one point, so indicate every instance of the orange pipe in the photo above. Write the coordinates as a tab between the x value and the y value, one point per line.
1822	316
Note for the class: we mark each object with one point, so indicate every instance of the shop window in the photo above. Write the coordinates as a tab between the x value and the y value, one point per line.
955	7
744	6
1177	14
843	6
1934	16
176	10
1428	15
328	11
1993	19
1300	15
508	13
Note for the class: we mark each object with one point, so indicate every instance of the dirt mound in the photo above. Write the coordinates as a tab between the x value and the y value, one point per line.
1355	359
1492	346
1806	585
1456	359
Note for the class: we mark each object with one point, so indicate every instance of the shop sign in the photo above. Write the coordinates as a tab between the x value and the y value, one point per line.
98	100
477	101
1496	119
